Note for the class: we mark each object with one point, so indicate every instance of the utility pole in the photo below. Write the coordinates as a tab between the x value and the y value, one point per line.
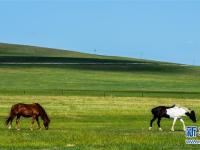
193	61
141	55
95	51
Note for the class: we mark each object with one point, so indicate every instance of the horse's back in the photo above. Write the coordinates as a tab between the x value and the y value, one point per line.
176	112
157	109
15	106
20	105
21	108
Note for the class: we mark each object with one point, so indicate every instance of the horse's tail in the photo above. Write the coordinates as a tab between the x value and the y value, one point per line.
153	110
43	112
10	118
171	106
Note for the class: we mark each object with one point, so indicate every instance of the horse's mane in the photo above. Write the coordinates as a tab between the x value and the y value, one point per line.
43	112
185	108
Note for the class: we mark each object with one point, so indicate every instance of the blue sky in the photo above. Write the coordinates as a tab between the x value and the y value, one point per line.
166	30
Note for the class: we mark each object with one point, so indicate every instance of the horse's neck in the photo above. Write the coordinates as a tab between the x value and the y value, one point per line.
44	116
186	109
181	108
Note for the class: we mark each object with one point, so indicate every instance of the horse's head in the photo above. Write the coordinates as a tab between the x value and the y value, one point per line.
191	115
46	123
44	116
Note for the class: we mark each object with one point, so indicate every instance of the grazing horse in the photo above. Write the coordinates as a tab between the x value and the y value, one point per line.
34	110
174	112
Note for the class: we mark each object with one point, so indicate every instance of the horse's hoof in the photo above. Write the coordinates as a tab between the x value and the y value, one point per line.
172	130
160	129
9	127
18	129
150	128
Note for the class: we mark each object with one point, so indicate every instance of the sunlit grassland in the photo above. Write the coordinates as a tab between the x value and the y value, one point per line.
100	77
95	123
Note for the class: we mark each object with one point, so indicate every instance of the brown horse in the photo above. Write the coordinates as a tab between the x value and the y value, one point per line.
34	110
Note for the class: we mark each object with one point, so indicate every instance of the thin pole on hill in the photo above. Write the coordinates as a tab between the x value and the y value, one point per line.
95	51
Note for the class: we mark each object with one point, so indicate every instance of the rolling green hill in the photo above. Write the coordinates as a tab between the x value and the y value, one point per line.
92	76
24	50
31	52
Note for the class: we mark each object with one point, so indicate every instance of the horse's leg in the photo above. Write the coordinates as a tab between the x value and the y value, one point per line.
38	122
172	129
151	122
32	122
158	122
181	120
17	122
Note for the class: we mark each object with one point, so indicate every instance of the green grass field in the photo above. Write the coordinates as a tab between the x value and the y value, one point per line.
95	123
119	78
145	75
94	106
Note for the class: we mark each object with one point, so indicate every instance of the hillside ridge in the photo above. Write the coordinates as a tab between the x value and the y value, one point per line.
26	53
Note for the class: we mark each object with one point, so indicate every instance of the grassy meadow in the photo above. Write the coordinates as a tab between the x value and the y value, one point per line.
95	123
84	112
99	77
119	76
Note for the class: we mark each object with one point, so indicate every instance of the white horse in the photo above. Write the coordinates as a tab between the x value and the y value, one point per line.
174	112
